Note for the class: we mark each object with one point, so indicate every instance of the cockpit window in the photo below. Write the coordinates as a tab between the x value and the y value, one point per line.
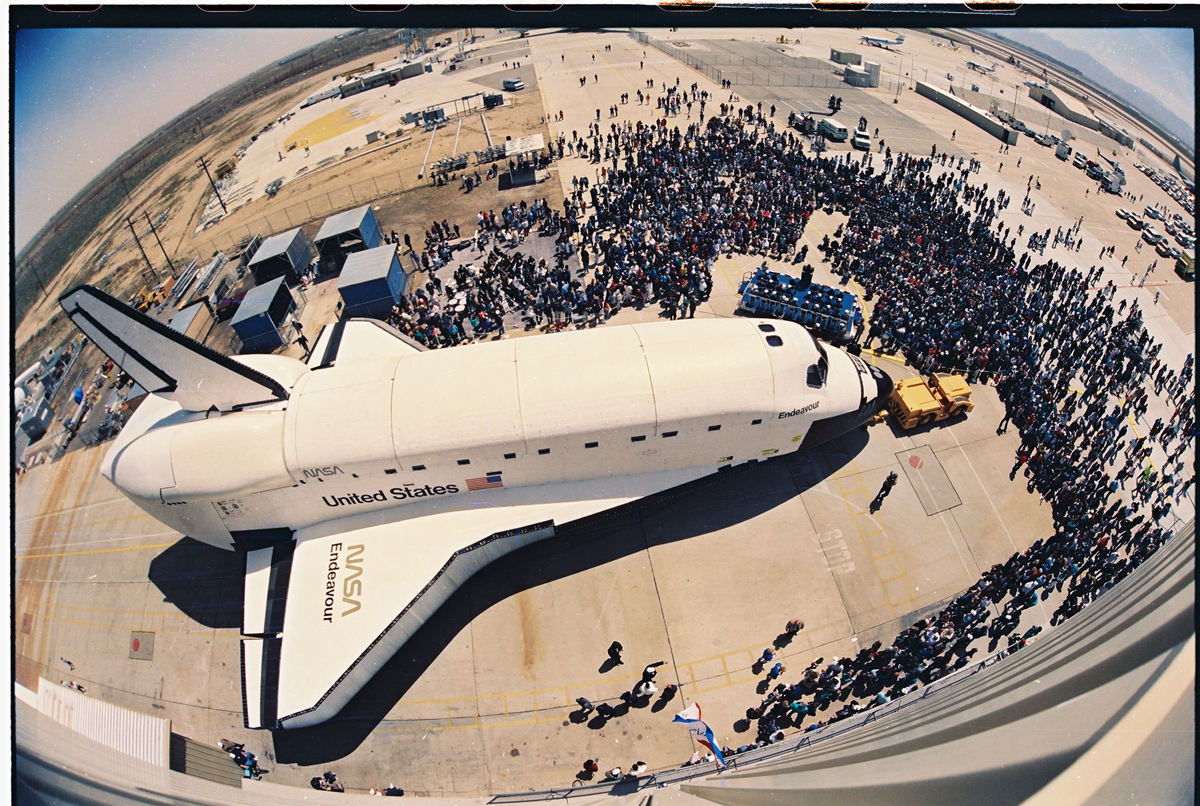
774	341
818	373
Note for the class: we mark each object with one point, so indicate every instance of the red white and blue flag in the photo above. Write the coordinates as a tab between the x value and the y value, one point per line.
489	482
701	732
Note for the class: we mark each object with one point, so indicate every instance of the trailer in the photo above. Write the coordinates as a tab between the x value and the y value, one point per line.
831	313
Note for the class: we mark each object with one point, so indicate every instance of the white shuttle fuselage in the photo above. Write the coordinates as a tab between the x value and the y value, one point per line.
386	432
368	484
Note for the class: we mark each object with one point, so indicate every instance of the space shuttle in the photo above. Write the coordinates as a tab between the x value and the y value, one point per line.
367	484
880	41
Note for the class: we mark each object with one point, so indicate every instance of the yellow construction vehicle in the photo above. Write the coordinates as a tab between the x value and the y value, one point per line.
920	401
143	299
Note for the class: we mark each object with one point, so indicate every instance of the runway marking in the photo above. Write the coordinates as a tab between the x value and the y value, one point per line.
106	537
125	627
72	509
545	101
146	613
991	503
95	551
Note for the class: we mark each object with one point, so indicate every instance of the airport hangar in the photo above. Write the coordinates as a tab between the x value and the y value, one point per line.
744	493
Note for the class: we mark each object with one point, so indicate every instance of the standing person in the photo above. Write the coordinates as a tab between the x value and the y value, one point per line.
614	653
888	484
651	670
585	705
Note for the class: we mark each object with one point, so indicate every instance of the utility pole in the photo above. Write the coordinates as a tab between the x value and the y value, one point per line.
204	165
200	123
160	243
38	277
129	221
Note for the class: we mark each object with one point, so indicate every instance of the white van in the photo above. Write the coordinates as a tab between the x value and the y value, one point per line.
861	140
513	84
833	130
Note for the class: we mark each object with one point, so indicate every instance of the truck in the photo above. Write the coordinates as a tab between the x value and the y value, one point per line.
920	401
833	130
1185	266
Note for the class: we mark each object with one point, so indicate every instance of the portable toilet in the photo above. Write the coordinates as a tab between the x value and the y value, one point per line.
194	321
347	232
262	313
372	282
286	255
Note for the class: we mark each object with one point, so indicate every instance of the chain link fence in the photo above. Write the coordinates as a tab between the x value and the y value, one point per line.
761	70
304	211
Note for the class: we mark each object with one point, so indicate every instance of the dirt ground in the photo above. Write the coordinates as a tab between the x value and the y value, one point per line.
179	185
386	177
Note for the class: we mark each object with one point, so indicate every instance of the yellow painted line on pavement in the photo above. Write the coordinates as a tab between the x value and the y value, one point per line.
545	102
94	551
124	627
42	515
618	72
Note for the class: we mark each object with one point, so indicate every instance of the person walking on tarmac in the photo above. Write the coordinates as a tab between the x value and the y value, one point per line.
888	484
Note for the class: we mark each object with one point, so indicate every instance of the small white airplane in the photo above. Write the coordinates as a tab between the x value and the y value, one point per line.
982	68
880	41
367	484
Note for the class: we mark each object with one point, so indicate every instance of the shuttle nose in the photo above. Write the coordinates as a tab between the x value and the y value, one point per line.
883	387
883	382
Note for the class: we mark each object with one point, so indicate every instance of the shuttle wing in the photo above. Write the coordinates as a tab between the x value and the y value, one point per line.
324	614
163	361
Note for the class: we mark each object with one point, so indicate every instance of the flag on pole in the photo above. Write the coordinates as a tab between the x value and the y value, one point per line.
690	718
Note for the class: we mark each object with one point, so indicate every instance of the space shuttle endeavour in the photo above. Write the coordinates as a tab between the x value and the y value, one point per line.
370	482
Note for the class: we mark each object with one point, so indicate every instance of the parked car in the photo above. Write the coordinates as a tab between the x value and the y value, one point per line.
1123	214
1134	222
1162	249
1152	212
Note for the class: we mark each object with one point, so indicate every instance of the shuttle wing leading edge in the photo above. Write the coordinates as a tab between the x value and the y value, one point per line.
358	588
164	362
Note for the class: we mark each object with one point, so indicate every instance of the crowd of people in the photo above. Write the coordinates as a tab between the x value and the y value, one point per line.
1073	366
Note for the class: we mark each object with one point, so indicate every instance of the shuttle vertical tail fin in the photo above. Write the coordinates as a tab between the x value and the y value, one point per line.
163	361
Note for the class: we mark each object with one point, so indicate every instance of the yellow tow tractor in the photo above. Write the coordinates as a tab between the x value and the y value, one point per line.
920	401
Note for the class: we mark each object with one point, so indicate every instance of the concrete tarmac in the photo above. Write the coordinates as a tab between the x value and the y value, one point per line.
480	700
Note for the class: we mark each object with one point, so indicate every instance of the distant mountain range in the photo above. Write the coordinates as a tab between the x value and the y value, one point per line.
1098	73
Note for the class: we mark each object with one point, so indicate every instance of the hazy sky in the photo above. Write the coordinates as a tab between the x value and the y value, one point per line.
83	97
1161	61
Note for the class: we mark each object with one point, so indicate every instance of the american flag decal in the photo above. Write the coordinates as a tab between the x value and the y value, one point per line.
488	482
